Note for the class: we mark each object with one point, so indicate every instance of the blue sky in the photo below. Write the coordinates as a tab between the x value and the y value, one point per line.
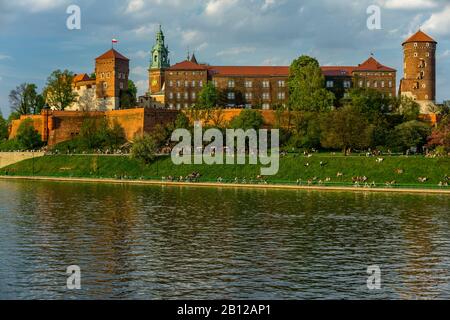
34	39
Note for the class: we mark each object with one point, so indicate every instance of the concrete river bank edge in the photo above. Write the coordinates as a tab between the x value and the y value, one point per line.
228	185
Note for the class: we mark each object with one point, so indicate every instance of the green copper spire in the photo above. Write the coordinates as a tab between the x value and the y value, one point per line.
160	53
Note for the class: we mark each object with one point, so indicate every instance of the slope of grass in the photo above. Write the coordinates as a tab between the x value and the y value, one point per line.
405	171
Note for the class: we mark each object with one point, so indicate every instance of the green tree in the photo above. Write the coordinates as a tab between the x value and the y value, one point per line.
208	97
306	130
346	128
307	86
58	93
407	107
370	102
182	121
27	136
25	100
128	98
440	136
145	149
248	119
132	89
412	134
3	128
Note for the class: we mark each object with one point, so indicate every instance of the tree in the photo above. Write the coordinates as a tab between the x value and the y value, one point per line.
412	134
369	102
27	136
346	128
182	122
132	89
145	149
208	97
87	101
25	100
306	131
307	86
3	128
440	137
407	107
248	119
58	92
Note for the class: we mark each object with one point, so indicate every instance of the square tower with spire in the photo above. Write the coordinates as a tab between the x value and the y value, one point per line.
159	63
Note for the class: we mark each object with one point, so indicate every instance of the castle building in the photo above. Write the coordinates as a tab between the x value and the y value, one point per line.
419	79
102	92
159	63
265	87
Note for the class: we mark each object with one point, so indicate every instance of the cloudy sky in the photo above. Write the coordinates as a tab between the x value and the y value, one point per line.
34	39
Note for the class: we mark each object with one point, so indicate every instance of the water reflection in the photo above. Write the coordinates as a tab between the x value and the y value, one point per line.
160	243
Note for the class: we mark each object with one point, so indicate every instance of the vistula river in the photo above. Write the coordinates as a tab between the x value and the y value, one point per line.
143	242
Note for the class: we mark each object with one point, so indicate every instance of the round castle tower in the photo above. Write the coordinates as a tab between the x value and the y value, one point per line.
419	80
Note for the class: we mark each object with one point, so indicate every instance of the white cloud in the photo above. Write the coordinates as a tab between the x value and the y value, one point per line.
438	23
139	71
218	7
267	4
142	86
145	31
236	51
135	6
4	57
409	4
38	5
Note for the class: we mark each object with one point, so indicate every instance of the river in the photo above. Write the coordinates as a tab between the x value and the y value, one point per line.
150	242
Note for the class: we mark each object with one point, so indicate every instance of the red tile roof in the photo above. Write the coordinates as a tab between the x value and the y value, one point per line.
337	70
373	65
419	36
112	54
278	71
188	65
250	71
81	77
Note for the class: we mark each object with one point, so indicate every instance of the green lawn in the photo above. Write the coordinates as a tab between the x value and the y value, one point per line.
292	168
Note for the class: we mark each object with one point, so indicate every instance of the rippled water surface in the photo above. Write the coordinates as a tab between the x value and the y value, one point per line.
141	242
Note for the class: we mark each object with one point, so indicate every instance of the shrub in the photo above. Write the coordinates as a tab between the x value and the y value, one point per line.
28	137
248	119
145	149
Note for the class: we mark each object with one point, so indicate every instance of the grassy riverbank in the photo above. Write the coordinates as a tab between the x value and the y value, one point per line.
405	171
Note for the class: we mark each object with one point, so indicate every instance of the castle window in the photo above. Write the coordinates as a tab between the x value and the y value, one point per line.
230	83
281	83
415	45
248	96
248	84
200	83
248	106
426	97
361	83
215	84
194	95
330	84
186	84
105	85
383	84
368	84
178	95
186	105
266	106
347	84
178	106
121	85
266	96
428	44
231	96
424	85
170	83
266	84
171	106
375	84
178	83
281	95
170	95
428	54
193	84
415	55
186	95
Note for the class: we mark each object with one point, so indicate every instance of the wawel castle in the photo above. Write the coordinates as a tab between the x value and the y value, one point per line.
178	86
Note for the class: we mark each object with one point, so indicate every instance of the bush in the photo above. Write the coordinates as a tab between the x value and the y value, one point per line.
145	149
27	136
412	134
248	119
